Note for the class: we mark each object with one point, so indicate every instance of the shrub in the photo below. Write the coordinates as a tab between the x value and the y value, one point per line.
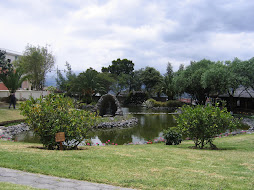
172	137
174	103
202	124
54	114
170	103
136	97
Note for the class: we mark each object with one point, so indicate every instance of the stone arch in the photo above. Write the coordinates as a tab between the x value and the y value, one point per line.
109	105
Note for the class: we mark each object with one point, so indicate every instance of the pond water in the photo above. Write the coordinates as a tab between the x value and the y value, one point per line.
150	126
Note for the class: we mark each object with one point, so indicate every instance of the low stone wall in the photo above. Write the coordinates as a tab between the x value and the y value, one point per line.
165	108
249	122
121	124
9	132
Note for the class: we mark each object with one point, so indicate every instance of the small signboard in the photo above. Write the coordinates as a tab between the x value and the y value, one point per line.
60	137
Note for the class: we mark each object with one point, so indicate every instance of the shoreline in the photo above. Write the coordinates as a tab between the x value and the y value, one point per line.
7	133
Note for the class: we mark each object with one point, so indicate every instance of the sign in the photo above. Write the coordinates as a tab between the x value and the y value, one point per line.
60	137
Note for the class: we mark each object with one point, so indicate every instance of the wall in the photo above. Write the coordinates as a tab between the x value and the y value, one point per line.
24	94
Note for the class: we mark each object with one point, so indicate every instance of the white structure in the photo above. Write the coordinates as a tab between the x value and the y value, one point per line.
24	94
11	56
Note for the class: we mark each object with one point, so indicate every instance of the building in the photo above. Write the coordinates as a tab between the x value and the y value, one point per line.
10	57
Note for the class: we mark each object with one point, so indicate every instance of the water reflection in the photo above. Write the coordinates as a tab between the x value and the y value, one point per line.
150	126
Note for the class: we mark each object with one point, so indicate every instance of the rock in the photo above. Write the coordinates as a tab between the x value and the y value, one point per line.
121	124
10	131
250	122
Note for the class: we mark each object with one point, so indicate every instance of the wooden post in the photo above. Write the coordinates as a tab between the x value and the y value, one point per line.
60	137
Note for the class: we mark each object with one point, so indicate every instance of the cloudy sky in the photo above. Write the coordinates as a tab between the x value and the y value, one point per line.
92	33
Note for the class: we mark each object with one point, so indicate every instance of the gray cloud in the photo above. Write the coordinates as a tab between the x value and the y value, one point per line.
150	33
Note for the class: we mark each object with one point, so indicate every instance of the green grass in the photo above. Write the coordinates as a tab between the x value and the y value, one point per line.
153	166
11	186
10	115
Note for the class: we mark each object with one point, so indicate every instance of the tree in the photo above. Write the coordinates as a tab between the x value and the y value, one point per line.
106	80
168	85
189	80
122	71
13	80
243	72
218	78
66	84
11	77
121	84
152	79
88	84
181	67
136	83
119	66
169	69
36	62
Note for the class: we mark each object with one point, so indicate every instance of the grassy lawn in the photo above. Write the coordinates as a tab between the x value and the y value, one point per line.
11	186
10	114
153	166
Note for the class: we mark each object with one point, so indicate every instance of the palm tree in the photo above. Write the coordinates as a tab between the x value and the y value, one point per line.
88	84
13	79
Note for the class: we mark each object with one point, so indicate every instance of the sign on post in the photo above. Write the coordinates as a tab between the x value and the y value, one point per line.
60	137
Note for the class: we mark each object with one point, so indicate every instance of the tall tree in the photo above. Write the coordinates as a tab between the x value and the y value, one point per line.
36	62
135	80
122	71
189	80
121	84
67	83
169	69
119	66
168	85
152	79
218	78
88	84
106	80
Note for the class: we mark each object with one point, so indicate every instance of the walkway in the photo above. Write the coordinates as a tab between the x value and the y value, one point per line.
49	182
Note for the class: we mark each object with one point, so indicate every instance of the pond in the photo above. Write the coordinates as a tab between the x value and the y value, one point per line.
149	127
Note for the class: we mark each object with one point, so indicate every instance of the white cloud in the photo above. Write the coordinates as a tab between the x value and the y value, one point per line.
150	33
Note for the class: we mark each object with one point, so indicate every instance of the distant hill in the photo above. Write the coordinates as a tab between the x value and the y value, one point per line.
50	79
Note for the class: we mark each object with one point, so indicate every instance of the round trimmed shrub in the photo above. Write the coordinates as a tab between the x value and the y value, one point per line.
172	137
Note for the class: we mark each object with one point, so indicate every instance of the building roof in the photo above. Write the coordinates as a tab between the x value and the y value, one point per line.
241	92
11	52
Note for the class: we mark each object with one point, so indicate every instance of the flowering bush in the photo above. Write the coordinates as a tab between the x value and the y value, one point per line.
56	113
